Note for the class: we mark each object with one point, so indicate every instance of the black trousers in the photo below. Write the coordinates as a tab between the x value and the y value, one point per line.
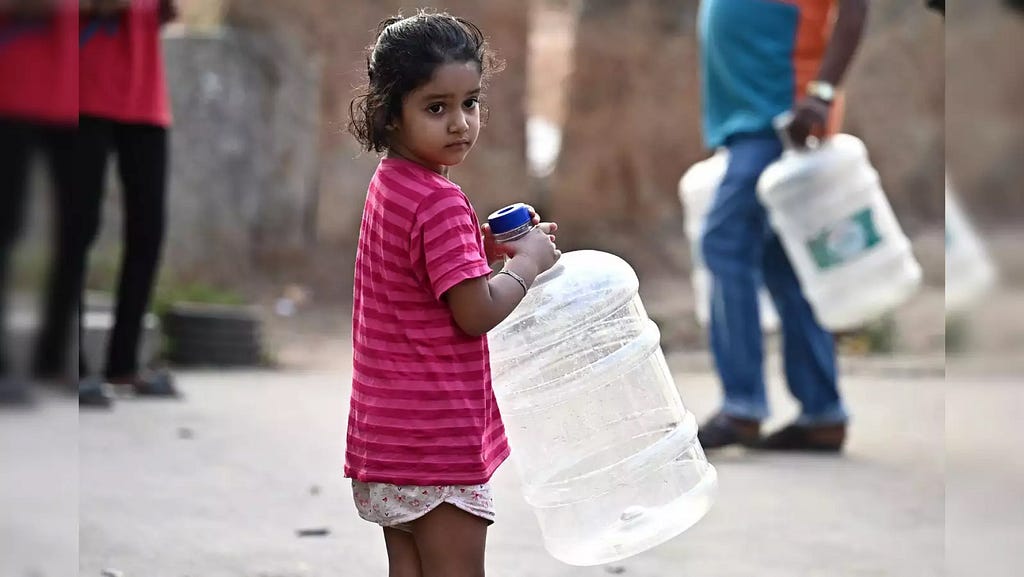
19	141
141	152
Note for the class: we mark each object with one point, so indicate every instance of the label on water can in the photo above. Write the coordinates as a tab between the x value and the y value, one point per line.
845	241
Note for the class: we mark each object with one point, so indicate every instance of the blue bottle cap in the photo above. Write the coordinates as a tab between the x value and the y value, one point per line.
510	222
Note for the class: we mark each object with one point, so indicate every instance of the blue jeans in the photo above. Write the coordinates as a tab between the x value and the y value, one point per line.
741	251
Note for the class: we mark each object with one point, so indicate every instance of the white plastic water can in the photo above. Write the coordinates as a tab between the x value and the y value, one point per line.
607	453
969	270
697	192
827	205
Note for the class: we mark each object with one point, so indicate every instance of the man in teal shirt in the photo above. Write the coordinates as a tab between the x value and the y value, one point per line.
759	59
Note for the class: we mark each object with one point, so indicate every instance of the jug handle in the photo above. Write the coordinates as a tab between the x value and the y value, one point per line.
781	124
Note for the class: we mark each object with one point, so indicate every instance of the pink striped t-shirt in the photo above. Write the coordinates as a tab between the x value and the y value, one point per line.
422	409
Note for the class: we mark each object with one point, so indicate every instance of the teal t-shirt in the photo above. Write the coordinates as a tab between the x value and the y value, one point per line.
747	64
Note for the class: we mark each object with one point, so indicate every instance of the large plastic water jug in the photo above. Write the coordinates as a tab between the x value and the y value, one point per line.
607	453
969	270
827	205
697	190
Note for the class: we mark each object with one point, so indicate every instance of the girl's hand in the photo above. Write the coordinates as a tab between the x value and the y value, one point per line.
492	248
538	245
496	251
534	217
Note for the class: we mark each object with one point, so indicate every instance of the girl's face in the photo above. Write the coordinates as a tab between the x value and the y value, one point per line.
440	120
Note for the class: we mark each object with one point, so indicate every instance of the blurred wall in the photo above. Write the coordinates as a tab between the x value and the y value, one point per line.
244	149
632	128
984	122
263	168
339	32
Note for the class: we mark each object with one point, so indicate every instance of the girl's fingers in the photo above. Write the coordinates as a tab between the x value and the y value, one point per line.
534	217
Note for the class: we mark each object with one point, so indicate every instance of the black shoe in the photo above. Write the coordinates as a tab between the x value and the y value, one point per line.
810	438
14	392
723	430
94	393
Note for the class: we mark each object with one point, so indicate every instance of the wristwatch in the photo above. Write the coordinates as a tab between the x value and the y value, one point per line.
821	90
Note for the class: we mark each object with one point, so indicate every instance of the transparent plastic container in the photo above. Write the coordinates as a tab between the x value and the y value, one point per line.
970	273
696	192
607	453
849	252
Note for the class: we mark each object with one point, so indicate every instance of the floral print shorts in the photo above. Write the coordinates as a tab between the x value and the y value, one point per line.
396	506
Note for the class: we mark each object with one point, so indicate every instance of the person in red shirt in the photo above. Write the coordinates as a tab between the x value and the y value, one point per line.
124	109
38	113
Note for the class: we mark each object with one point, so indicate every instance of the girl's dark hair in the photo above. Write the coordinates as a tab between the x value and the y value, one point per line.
403	58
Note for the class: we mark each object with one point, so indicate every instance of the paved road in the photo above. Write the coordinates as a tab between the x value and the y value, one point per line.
217	485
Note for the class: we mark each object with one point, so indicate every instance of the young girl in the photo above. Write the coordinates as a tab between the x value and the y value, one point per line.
425	434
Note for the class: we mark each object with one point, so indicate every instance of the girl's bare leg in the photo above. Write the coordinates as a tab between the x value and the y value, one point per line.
450	542
403	557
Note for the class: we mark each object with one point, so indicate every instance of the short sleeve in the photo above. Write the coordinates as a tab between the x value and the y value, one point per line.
449	238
